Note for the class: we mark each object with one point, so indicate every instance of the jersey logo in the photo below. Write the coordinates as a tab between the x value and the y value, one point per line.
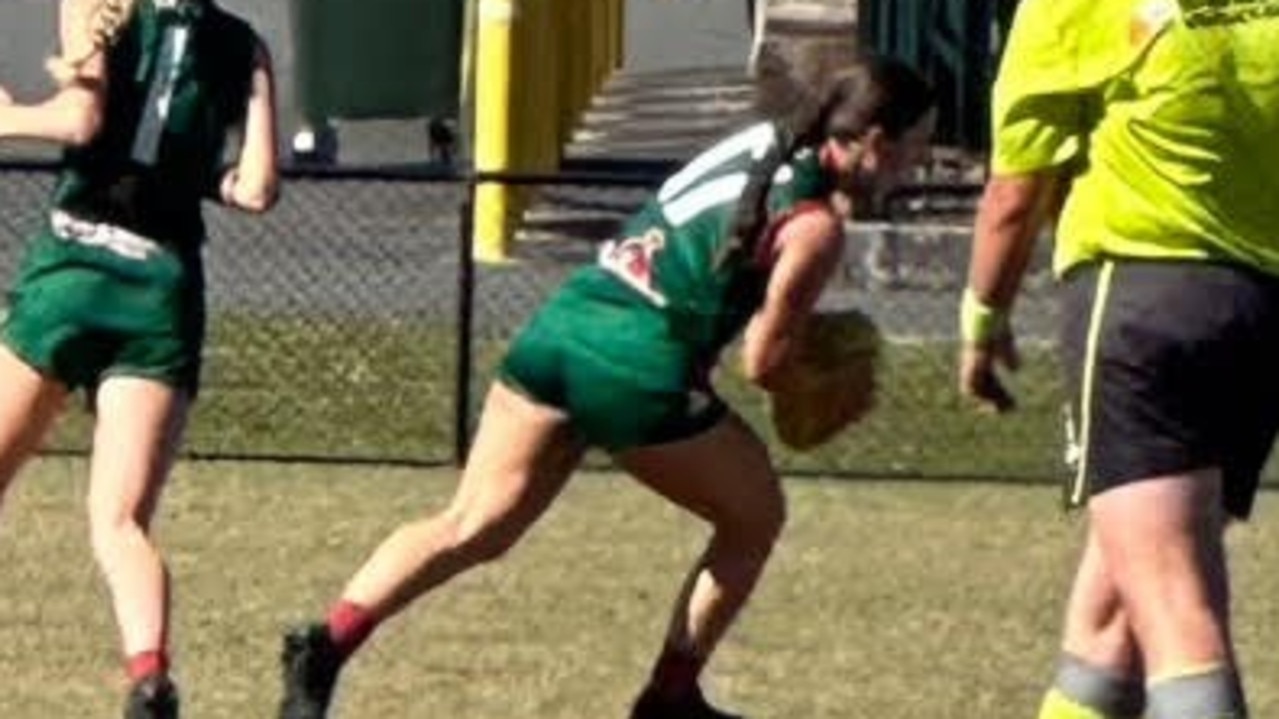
1150	19
631	260
116	240
1213	13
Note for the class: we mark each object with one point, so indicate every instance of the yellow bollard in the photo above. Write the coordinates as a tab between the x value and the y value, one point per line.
523	46
494	150
595	11
558	58
619	34
565	36
542	102
612	34
582	44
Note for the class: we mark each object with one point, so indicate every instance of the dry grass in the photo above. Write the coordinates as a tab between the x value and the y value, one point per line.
886	600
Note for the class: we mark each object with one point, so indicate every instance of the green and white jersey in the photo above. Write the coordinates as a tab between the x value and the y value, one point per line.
1170	112
179	78
671	259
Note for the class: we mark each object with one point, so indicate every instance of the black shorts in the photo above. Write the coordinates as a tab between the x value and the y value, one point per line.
1171	367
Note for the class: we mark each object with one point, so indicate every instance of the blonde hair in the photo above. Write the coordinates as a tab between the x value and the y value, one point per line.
106	20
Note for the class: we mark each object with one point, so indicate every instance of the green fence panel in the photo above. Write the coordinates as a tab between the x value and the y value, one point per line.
367	59
955	43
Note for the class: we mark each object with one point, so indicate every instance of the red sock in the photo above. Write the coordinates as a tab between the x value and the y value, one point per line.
675	674
349	625
146	664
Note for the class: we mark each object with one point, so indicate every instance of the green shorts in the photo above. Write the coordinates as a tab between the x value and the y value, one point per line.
91	302
615	370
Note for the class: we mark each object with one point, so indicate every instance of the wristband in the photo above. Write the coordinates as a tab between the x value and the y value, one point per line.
979	323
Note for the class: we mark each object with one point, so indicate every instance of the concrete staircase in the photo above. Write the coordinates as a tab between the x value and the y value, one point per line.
641	126
645	124
652	120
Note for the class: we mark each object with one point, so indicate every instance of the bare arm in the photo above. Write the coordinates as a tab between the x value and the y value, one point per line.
1012	211
73	115
1010	216
252	184
809	248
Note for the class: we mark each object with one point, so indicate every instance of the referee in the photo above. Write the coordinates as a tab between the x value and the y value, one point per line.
1147	131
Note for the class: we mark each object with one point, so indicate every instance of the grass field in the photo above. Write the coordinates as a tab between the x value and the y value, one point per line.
886	600
348	388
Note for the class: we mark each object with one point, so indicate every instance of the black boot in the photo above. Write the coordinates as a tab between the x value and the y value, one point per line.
651	705
154	697
310	664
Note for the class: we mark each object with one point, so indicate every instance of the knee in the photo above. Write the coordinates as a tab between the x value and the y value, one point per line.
1116	638
1106	639
110	525
772	519
109	538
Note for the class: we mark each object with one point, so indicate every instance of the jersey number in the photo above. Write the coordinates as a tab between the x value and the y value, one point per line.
688	193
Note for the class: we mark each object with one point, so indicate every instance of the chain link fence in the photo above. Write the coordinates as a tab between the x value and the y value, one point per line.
350	324
332	320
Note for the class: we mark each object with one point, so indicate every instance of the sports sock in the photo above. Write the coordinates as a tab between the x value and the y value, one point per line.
145	664
1206	692
675	673
1085	691
349	626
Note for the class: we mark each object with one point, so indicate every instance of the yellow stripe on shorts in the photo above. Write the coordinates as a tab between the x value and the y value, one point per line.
1079	487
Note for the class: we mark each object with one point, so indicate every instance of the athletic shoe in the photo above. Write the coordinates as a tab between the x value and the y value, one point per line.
154	697
310	664
692	706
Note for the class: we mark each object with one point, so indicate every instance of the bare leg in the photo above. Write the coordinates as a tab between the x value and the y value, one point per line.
521	459
1097	629
1163	541
1100	672
724	476
29	402
139	425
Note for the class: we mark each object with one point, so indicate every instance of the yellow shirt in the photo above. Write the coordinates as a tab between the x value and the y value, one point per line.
1168	114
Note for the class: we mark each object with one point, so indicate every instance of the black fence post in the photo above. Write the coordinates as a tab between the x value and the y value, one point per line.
465	316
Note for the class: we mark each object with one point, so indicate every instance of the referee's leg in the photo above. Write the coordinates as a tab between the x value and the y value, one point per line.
1099	673
1153	362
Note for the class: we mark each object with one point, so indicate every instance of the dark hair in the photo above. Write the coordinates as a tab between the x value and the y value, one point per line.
823	96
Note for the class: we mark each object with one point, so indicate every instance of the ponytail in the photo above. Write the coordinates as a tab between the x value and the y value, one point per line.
106	21
841	103
751	214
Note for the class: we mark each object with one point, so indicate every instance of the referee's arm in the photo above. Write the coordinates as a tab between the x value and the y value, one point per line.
1012	212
